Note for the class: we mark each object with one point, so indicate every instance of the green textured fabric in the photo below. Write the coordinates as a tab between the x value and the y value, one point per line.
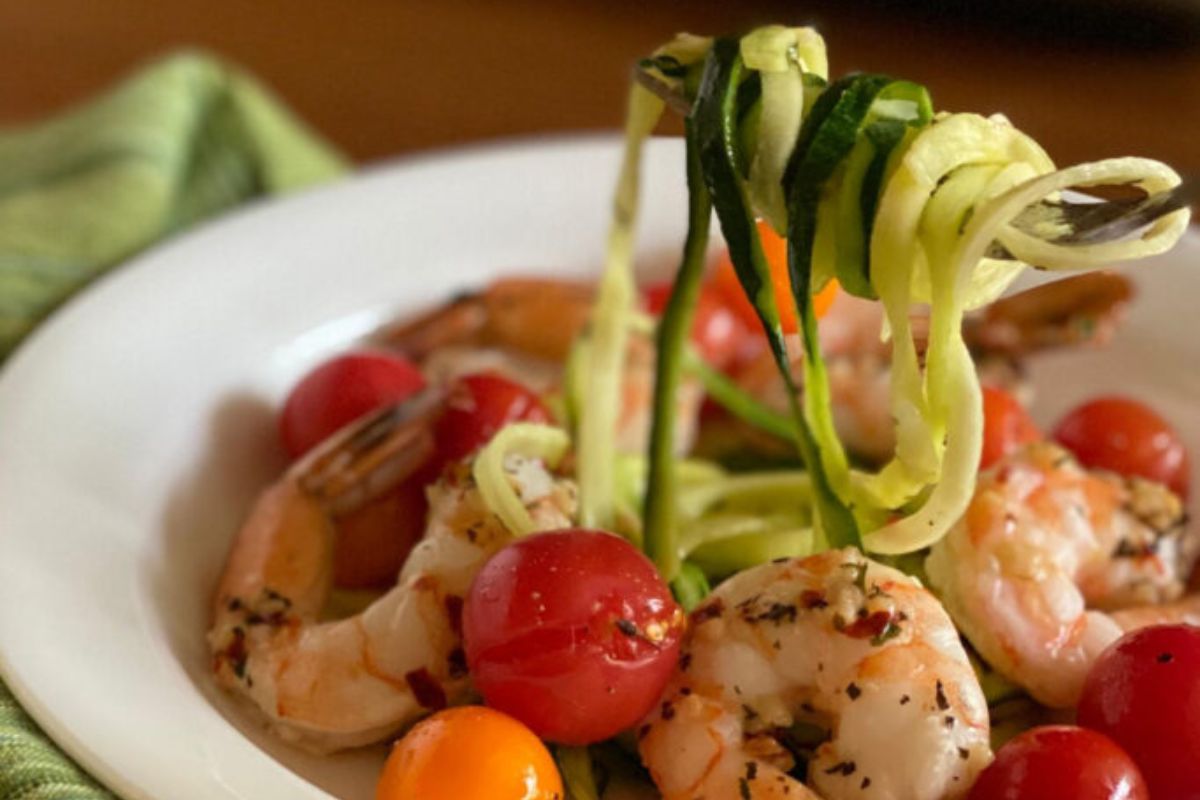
182	140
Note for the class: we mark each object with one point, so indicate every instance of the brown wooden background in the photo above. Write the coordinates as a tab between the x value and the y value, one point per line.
383	77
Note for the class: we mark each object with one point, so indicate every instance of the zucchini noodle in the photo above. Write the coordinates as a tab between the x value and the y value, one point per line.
897	203
609	328
494	469
611	316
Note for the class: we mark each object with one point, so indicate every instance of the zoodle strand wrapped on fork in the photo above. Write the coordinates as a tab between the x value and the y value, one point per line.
872	188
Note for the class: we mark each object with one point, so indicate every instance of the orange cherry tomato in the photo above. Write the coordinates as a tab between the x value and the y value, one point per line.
725	280
469	753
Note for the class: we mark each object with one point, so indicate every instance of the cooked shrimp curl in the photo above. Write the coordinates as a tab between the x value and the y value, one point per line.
329	685
1051	563
834	641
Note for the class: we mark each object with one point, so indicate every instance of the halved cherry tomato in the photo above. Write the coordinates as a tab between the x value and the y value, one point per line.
572	632
1056	762
1127	437
1144	693
479	405
717	331
725	281
469	753
1006	426
340	391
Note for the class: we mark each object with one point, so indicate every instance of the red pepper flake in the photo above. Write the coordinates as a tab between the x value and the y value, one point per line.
869	627
235	653
710	610
426	689
454	613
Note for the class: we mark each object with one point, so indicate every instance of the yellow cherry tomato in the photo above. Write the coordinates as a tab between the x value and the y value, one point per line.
469	753
775	251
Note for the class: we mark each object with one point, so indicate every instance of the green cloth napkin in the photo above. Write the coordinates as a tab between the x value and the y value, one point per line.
184	139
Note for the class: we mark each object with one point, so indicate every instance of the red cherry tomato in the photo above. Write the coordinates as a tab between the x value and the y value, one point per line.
1057	762
340	391
1127	437
717	331
1144	692
1006	426
373	541
479	405
572	632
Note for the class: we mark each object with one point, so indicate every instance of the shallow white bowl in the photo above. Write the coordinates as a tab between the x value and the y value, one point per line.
137	425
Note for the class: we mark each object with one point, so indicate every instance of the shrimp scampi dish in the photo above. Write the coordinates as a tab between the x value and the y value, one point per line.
780	525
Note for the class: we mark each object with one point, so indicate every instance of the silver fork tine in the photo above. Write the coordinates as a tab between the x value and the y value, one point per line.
1112	220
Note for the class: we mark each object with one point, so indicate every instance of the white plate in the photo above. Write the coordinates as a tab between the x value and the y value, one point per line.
136	426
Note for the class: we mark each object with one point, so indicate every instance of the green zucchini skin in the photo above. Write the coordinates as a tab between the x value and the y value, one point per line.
714	117
660	509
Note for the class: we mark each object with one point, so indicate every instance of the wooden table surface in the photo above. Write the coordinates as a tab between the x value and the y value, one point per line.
384	77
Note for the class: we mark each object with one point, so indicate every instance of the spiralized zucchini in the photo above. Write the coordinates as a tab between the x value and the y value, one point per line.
499	463
899	205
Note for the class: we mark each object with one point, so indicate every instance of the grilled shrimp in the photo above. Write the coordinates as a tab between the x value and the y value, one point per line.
1084	309
523	328
328	685
834	641
1045	551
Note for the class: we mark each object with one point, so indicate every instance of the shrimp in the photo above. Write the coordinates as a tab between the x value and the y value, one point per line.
524	329
540	317
834	642
1044	552
328	685
1074	311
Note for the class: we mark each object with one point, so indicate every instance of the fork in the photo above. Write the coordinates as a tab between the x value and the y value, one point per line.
1093	222
1089	221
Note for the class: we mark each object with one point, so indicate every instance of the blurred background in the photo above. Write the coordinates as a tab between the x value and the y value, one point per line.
387	77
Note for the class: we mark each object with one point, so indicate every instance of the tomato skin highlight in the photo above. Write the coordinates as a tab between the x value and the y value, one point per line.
1128	437
1144	693
341	390
572	632
1057	762
469	753
479	405
1006	426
